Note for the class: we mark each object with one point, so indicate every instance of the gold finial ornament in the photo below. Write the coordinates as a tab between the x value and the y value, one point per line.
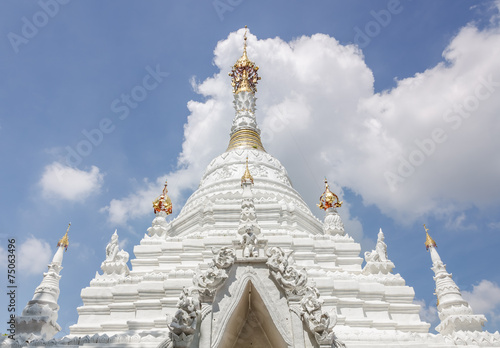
328	199
244	75
163	202
247	177
64	241
428	240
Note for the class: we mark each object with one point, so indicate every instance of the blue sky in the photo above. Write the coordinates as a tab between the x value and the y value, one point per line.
374	81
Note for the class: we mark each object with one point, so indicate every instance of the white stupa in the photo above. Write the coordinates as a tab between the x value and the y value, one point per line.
247	264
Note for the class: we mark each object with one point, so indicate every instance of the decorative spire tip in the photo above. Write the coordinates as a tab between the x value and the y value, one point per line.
429	242
64	241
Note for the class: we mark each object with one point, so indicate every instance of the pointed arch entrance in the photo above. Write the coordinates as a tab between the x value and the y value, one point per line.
250	324
251	312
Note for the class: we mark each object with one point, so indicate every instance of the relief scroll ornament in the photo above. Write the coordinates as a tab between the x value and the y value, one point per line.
214	276
292	281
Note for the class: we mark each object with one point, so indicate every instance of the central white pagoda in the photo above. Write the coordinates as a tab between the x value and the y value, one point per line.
247	264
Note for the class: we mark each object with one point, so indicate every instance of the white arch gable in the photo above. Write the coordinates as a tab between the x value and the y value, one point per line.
230	295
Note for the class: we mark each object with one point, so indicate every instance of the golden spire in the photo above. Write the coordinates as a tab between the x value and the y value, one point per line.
247	177
327	199
163	202
244	73
64	241
428	240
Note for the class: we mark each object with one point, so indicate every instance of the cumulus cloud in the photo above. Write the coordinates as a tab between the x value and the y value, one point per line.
70	184
319	115
33	256
484	299
435	119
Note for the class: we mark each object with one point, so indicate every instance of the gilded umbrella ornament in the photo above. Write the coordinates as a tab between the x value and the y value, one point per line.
328	199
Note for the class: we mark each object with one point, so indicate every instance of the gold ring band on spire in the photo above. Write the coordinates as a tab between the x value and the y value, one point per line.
245	138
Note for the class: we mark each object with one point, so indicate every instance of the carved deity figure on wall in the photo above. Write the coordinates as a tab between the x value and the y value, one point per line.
249	242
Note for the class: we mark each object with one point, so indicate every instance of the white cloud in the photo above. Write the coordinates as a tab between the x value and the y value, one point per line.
494	225
33	256
71	184
484	299
319	116
428	313
458	222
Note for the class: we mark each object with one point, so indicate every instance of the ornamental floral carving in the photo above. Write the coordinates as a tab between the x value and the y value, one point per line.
214	276
287	276
224	258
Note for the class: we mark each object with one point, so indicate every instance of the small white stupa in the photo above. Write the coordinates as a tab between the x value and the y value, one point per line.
459	325
38	321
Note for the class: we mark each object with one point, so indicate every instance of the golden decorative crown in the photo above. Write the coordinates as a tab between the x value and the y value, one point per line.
244	75
163	202
328	199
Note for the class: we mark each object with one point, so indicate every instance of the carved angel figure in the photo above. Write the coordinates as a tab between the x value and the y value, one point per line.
112	248
380	252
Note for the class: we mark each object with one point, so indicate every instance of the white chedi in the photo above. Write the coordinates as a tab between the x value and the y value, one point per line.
459	325
39	318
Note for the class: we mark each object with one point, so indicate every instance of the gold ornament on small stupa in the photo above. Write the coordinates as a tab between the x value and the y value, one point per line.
428	240
163	202
244	75
247	177
328	199
64	241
